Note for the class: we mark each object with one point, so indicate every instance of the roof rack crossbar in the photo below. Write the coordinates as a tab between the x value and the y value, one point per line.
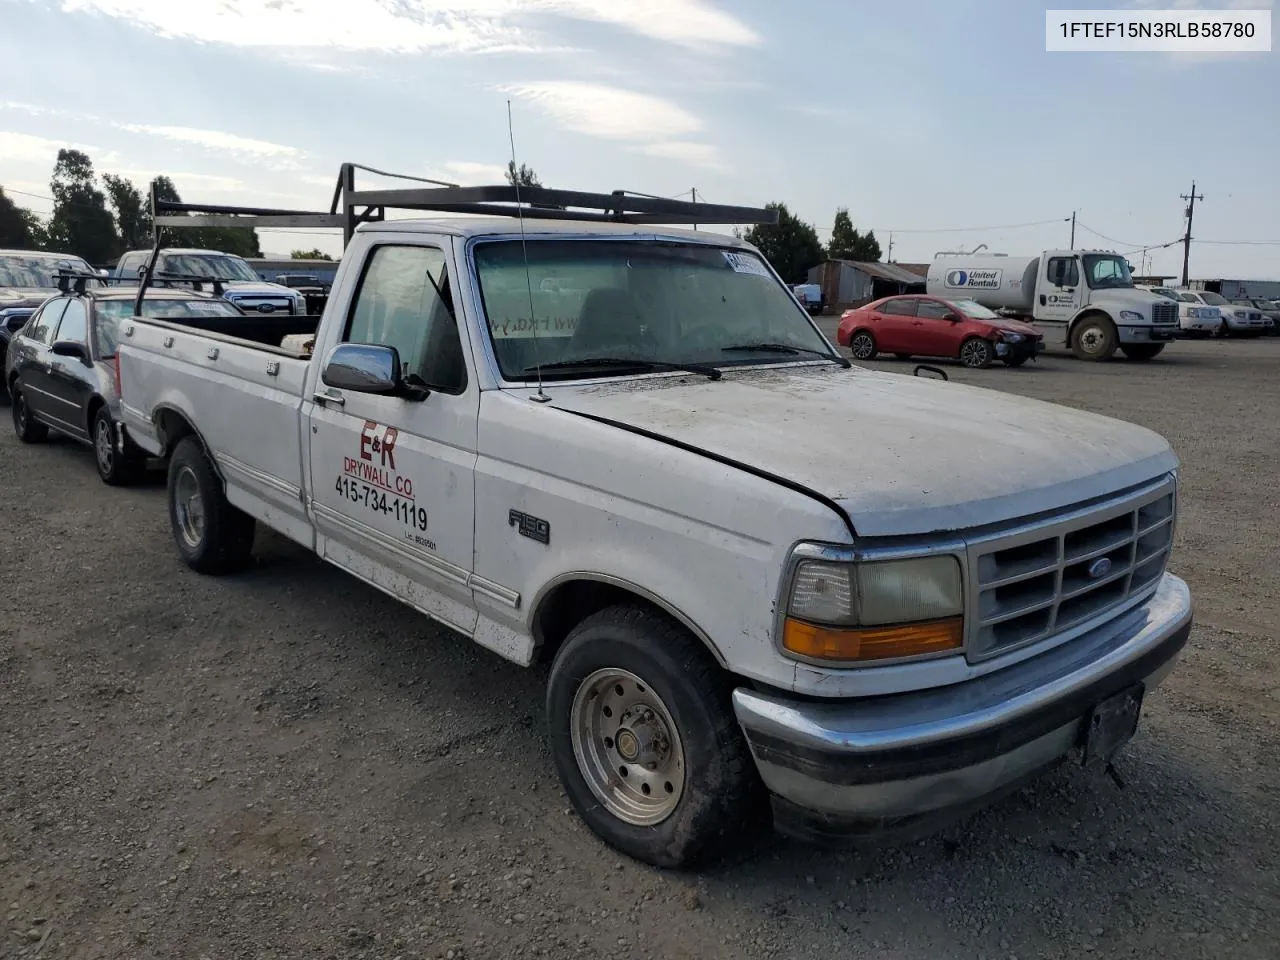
65	278
350	206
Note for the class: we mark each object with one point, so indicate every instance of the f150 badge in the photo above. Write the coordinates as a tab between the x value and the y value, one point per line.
534	528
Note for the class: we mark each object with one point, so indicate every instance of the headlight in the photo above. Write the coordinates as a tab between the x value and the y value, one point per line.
1011	337
1239	314
874	610
1132	316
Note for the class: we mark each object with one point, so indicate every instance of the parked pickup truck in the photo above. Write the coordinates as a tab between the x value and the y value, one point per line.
240	284
642	472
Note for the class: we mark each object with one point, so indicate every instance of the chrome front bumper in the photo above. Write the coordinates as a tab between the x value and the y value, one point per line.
914	760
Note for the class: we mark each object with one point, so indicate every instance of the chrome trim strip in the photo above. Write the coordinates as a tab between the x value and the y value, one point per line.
257	476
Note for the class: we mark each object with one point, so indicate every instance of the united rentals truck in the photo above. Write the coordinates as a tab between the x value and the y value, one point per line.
1082	300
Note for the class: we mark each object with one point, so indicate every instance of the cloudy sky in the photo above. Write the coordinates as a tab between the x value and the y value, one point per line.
921	116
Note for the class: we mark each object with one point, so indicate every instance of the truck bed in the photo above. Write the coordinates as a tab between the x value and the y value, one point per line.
243	396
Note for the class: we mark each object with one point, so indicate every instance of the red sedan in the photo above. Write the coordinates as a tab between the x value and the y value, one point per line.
910	326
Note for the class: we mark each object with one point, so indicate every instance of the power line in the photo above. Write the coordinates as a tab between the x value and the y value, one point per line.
1007	226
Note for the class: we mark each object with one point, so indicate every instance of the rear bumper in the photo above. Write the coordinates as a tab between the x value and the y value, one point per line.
912	761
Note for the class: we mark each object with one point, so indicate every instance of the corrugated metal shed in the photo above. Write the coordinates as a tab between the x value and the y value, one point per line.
851	282
893	272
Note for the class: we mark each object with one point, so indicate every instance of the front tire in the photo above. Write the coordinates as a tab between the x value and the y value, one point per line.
116	468
213	536
976	353
1094	338
1142	352
1014	361
645	740
28	429
863	346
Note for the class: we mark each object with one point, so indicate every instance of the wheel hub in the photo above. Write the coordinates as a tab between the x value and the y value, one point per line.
642	738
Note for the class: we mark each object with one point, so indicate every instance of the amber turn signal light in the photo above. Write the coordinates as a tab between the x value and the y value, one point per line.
872	643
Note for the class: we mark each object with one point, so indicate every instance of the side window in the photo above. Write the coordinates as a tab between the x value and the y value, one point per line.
74	323
42	325
404	301
1064	272
933	310
902	307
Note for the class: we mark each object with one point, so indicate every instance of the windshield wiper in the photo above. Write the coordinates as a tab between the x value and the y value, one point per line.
784	348
706	369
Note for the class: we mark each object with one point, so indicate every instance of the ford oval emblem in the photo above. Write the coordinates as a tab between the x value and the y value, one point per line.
266	308
1099	568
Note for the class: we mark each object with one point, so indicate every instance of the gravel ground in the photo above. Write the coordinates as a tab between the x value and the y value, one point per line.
288	764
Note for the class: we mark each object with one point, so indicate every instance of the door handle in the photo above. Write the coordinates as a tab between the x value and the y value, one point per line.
1043	300
335	398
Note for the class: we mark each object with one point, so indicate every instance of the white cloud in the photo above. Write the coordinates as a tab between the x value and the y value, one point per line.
25	148
469	173
414	26
610	113
694	154
217	140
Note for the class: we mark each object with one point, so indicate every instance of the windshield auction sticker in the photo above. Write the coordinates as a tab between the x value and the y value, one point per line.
746	263
1158	31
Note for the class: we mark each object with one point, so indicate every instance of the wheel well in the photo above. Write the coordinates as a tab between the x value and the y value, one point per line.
173	426
1087	315
569	603
94	406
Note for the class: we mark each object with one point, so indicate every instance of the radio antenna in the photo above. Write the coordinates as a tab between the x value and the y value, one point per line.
540	397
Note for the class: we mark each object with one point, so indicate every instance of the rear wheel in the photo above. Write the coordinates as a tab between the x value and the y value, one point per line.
976	353
645	741
1142	351
863	346
1094	338
116	467
212	535
28	429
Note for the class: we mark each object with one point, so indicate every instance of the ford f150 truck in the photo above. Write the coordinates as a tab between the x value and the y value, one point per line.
240	284
641	471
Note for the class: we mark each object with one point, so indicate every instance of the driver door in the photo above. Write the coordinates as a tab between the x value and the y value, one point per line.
1061	289
392	479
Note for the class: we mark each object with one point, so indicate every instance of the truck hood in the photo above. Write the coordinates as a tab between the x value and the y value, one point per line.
899	455
1127	297
25	296
259	288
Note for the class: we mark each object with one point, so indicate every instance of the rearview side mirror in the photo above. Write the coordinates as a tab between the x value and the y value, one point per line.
369	368
954	317
70	348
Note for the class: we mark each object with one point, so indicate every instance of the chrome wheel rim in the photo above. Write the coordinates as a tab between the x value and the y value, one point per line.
862	346
1092	339
975	353
102	445
627	747
189	507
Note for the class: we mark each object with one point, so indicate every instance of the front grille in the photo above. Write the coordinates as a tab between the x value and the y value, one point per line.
249	303
1047	578
1162	313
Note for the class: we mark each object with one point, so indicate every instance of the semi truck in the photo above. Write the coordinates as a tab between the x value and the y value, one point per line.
597	441
1081	300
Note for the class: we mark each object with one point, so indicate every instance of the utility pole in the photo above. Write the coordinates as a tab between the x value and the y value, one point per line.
1073	229
1186	239
889	256
694	194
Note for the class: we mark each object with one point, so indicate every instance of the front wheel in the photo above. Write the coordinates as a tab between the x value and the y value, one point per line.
1014	361
1094	338
1142	352
645	740
863	346
212	535
28	429
977	353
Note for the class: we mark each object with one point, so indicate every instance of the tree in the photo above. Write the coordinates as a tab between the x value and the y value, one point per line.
81	223
790	245
20	229
847	244
133	216
522	176
242	241
315	254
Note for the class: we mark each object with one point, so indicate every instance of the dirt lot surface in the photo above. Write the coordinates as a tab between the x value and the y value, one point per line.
289	764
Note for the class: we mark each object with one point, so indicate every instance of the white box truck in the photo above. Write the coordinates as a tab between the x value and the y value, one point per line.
1083	300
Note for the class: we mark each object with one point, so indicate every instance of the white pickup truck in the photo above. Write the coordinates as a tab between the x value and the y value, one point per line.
757	571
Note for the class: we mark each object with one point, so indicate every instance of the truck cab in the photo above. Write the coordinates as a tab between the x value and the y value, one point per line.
1084	300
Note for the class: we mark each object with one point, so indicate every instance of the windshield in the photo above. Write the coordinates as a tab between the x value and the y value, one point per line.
1105	271
971	308
111	312
216	266
17	270
652	302
1214	299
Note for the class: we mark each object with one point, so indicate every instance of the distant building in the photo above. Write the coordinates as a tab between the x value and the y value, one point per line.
1237	289
847	283
1152	280
269	269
